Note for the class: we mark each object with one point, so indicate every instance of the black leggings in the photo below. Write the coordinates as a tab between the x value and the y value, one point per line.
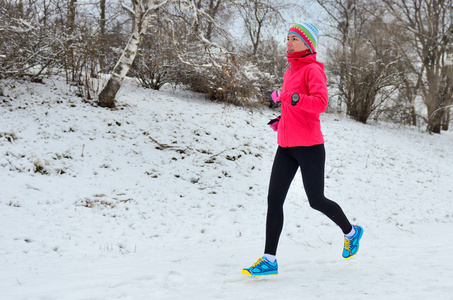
311	161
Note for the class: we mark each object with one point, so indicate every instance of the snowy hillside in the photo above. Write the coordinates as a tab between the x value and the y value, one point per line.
165	197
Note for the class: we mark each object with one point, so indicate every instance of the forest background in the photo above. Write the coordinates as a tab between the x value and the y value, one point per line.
385	60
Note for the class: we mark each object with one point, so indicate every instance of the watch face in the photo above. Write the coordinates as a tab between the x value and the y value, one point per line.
295	97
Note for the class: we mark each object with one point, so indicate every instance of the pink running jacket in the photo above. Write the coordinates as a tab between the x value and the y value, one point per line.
300	124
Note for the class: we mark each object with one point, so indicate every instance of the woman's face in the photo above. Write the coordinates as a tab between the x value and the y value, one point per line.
295	44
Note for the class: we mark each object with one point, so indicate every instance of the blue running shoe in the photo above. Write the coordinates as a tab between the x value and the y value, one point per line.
351	245
262	267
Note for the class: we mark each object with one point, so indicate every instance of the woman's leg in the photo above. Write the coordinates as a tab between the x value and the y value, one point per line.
312	164
283	171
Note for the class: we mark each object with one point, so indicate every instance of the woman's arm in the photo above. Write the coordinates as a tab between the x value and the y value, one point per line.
316	100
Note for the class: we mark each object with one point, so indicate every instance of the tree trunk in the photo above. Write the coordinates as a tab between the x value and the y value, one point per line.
139	26
434	100
70	24
102	33
435	123
437	118
446	120
413	116
447	87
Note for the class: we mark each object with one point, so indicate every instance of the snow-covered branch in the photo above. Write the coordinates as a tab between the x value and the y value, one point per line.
22	26
156	5
439	109
127	8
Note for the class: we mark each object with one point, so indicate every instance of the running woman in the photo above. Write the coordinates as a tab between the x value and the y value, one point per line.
300	145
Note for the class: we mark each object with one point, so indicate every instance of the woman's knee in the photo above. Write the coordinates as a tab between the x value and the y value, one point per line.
318	203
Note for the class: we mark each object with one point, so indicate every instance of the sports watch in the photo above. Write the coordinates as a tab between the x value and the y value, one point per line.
294	99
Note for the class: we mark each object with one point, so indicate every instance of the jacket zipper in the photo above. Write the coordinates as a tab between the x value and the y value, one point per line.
286	113
284	132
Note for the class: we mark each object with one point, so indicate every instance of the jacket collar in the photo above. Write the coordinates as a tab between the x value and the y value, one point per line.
298	54
298	58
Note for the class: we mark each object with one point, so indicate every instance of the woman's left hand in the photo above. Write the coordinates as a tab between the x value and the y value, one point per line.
275	96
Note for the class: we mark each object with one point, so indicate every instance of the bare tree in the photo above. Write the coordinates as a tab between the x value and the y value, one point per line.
256	15
428	24
346	23
364	63
140	12
219	11
156	64
25	46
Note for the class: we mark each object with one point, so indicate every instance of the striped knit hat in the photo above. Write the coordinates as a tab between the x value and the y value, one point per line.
308	33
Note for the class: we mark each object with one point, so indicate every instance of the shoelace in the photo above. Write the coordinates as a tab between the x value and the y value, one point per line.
258	262
347	243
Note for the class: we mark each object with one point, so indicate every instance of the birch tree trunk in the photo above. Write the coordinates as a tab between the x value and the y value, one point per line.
141	14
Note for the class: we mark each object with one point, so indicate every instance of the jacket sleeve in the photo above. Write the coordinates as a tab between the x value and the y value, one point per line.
316	100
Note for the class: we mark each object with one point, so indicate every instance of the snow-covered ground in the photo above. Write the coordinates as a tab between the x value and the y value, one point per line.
165	198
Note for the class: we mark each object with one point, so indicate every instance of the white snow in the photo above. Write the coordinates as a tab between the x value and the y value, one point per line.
165	198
